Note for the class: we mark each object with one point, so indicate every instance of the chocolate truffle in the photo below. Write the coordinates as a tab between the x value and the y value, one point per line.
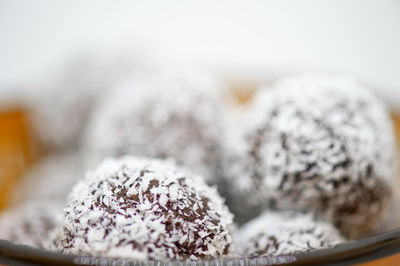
144	209
313	143
30	223
284	233
160	115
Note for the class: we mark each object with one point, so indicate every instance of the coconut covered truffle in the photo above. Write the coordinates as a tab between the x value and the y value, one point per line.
145	209
313	143
31	223
284	233
160	115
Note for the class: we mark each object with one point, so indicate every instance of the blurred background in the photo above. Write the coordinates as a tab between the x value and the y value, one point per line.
243	41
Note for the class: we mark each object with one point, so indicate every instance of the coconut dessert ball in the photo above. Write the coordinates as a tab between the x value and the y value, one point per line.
283	233
164	114
51	178
314	143
144	209
30	223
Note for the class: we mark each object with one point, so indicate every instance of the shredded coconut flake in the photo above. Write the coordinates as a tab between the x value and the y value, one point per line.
160	115
31	223
314	143
151	224
276	233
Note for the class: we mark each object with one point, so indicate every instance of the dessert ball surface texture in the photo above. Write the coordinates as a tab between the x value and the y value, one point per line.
313	143
160	115
145	209
31	223
283	233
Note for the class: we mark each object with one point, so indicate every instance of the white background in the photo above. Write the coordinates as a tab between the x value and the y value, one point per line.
242	40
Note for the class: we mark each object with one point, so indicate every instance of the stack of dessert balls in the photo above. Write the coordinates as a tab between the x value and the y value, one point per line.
167	168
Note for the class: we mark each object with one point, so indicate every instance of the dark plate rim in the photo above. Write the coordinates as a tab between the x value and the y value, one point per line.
352	252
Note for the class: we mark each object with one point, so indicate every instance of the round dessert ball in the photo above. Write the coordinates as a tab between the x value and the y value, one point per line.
144	209
313	143
51	178
160	115
284	233
30	223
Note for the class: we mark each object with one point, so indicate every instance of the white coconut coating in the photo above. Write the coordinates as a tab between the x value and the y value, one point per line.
314	143
165	114
51	178
284	233
145	209
30	223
